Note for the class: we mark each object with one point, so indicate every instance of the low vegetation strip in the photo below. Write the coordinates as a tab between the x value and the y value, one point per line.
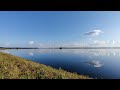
13	67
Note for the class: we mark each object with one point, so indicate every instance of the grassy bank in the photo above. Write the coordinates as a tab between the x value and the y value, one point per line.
13	67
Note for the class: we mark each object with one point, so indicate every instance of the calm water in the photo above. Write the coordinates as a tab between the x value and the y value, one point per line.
97	63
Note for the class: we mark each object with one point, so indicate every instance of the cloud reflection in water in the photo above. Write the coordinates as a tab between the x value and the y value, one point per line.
31	53
94	63
94	52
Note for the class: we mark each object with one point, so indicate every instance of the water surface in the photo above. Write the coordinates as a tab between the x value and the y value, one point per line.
96	63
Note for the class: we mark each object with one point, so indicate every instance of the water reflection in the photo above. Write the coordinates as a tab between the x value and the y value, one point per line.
31	53
5	51
90	52
94	63
98	63
94	52
42	51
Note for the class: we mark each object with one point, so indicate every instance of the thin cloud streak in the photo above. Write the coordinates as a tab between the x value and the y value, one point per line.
93	33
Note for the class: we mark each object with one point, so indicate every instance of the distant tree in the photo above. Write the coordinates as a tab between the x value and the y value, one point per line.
60	48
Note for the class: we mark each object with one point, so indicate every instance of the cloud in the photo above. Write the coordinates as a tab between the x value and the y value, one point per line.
99	42
31	42
103	43
75	44
108	41
93	33
113	41
117	41
94	63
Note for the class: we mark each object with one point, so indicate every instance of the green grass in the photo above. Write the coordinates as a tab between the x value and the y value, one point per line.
13	67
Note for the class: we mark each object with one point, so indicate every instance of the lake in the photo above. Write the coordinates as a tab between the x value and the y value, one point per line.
96	63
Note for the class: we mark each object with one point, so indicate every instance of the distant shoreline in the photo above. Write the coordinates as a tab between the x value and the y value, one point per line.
60	48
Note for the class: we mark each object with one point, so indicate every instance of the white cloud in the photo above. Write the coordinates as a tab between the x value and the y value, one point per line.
113	42
118	41
76	44
31	42
108	41
105	43
98	42
93	33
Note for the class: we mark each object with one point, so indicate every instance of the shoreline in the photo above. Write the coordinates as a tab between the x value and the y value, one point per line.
4	48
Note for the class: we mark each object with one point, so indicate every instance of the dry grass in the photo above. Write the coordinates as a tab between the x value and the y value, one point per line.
13	67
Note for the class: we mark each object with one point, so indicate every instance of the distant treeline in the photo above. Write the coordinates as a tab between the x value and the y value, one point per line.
18	48
60	48
89	47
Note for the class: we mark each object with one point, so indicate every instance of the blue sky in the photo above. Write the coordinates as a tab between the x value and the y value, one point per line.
59	28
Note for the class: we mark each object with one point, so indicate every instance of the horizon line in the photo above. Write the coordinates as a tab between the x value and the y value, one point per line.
60	47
